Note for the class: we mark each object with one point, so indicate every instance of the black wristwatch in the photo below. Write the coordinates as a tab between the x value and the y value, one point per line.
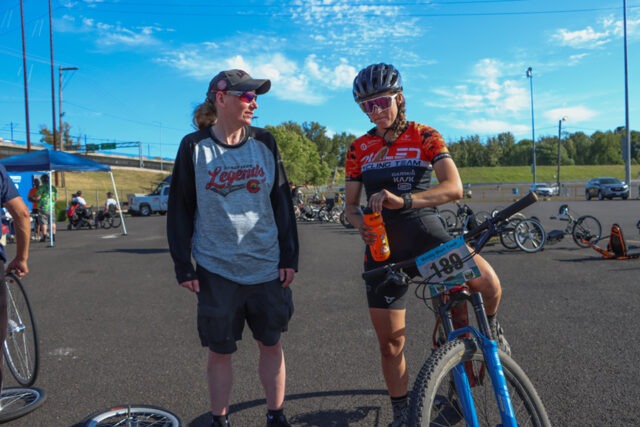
407	201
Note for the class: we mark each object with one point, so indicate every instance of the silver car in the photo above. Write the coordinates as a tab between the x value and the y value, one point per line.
544	190
606	188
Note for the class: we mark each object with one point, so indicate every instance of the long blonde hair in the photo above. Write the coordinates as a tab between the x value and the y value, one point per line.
205	115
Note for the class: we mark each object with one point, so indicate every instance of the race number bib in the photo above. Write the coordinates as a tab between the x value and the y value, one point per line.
449	263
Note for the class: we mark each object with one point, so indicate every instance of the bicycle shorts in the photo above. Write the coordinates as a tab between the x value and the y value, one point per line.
224	306
407	239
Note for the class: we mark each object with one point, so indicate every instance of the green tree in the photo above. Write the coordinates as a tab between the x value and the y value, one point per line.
68	143
299	156
606	149
494	151
579	148
468	151
329	152
341	142
546	150
507	142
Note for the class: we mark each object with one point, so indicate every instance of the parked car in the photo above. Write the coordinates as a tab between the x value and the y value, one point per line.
145	205
606	188
544	190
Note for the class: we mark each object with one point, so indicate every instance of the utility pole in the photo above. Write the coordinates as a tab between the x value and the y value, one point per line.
53	83
24	69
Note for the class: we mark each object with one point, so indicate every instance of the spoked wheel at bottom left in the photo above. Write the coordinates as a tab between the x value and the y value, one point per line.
21	345
129	415
16	402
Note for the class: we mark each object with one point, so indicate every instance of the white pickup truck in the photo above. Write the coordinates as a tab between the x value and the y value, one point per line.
155	202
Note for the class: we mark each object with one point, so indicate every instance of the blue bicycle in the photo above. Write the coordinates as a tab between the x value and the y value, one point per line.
466	381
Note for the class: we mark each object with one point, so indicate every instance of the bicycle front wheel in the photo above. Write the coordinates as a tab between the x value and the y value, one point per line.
21	345
586	229
507	238
138	415
434	399
529	235
16	402
115	221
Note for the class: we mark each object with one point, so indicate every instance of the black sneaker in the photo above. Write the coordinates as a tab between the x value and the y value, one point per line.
400	418
277	421
498	335
217	423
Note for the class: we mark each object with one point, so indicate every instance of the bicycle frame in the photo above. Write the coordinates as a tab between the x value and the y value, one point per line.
570	220
488	346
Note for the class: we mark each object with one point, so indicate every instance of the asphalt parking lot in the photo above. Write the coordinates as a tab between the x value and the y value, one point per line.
115	328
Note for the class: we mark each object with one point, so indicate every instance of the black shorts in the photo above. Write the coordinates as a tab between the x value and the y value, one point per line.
407	239
224	306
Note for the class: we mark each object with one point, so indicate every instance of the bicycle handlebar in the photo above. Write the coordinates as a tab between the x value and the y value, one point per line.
488	224
503	215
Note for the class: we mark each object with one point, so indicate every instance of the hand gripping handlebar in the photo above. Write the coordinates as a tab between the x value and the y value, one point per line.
488	224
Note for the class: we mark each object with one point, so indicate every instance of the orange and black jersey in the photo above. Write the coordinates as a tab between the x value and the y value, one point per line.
403	166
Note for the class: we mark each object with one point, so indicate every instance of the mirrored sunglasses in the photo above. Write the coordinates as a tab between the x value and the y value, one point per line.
247	97
381	103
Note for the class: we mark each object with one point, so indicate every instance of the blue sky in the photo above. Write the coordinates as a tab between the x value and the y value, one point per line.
144	65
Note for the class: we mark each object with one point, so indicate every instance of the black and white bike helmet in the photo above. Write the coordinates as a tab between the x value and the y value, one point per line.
375	79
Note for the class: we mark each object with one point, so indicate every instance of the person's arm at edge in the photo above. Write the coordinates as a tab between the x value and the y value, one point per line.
282	204
22	225
180	216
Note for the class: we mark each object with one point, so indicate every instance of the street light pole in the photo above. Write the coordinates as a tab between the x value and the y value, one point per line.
60	70
533	132
627	142
61	145
559	143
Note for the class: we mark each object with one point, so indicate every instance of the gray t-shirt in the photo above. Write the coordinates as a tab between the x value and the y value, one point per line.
235	233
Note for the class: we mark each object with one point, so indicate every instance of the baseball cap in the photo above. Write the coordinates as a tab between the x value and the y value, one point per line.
238	80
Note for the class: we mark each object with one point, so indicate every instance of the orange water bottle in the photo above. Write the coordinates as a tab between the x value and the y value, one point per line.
380	248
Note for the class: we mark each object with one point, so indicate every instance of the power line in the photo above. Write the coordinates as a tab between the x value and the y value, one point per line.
250	10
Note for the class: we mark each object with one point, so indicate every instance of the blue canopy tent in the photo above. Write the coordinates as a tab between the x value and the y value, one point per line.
51	161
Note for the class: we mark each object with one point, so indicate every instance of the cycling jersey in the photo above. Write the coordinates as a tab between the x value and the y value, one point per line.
404	166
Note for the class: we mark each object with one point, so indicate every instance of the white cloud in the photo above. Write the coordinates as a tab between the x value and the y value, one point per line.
353	27
340	77
486	92
109	35
577	114
587	38
616	26
576	59
490	101
307	83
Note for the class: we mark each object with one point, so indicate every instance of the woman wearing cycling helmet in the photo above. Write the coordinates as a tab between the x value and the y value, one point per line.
393	163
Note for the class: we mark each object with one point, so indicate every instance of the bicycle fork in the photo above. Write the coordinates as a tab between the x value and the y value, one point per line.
489	348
